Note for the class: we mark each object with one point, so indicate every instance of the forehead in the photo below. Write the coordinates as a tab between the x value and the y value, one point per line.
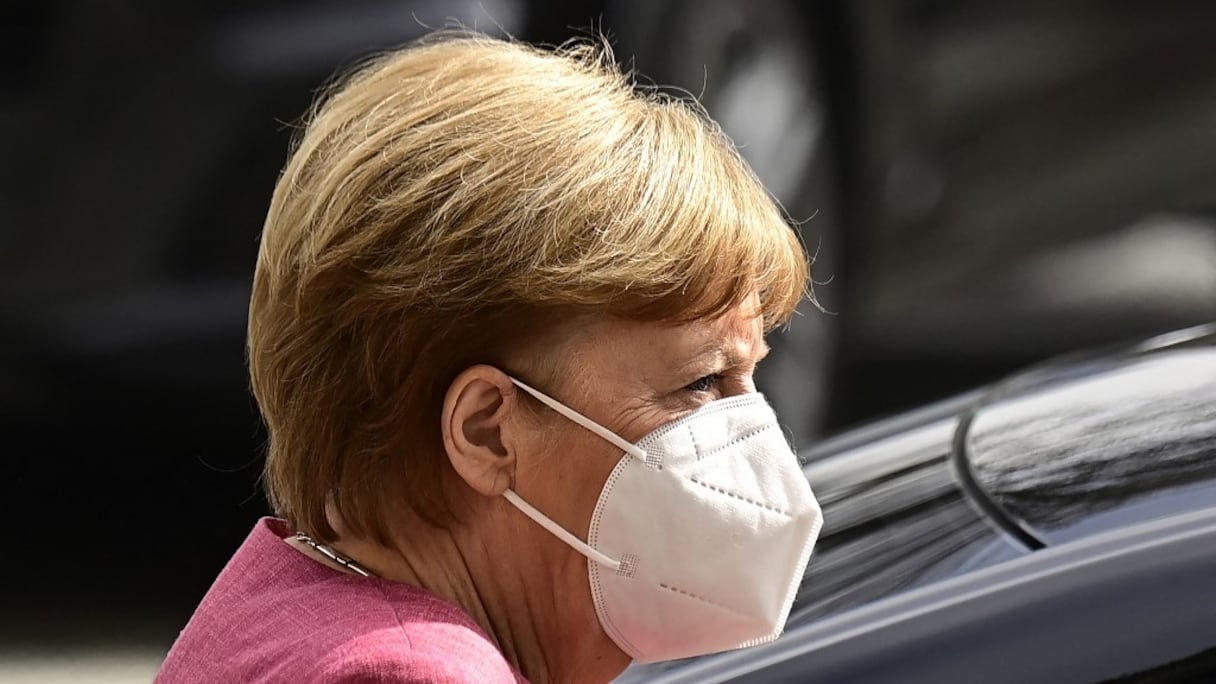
648	348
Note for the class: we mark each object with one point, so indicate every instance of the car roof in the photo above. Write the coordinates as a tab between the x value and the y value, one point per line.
1078	447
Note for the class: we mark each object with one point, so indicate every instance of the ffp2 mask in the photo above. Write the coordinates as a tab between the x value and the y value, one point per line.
701	533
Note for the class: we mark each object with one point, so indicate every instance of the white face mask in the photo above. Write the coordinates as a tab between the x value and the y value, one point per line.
701	534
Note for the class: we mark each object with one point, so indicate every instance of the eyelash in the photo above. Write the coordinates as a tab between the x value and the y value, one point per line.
713	379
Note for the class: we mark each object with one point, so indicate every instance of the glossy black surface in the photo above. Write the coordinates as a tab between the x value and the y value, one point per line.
1070	450
894	518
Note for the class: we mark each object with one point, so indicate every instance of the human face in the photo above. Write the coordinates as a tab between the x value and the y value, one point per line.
632	378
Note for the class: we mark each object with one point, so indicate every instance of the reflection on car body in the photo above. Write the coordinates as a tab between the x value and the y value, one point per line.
1053	454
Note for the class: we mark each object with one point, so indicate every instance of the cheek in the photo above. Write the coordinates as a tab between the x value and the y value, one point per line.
747	384
567	474
636	423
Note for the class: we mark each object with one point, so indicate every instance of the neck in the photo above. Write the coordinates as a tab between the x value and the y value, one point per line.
517	582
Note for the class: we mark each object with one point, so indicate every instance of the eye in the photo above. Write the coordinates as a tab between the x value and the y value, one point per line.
705	384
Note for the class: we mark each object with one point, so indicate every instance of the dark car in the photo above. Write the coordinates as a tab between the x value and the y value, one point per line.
1059	526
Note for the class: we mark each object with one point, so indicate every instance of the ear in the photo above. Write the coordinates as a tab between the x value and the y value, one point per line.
477	405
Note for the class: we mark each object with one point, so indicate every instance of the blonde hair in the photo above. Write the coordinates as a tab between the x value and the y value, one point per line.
450	202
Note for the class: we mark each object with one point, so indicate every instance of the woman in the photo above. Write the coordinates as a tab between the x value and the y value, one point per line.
504	322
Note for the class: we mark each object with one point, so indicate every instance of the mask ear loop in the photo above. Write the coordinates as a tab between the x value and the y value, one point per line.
608	435
559	531
543	520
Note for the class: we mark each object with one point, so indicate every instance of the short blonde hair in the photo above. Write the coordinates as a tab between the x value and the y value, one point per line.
448	203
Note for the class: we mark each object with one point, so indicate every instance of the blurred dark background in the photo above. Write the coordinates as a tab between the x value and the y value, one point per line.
984	184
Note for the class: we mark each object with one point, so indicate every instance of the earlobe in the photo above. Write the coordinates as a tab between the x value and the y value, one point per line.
477	406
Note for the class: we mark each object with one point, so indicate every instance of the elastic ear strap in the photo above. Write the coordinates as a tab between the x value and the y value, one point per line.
584	421
559	531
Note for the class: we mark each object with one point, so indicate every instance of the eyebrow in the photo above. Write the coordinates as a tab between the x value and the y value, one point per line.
724	354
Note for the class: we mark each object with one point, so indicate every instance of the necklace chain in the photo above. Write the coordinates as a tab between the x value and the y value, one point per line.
330	553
